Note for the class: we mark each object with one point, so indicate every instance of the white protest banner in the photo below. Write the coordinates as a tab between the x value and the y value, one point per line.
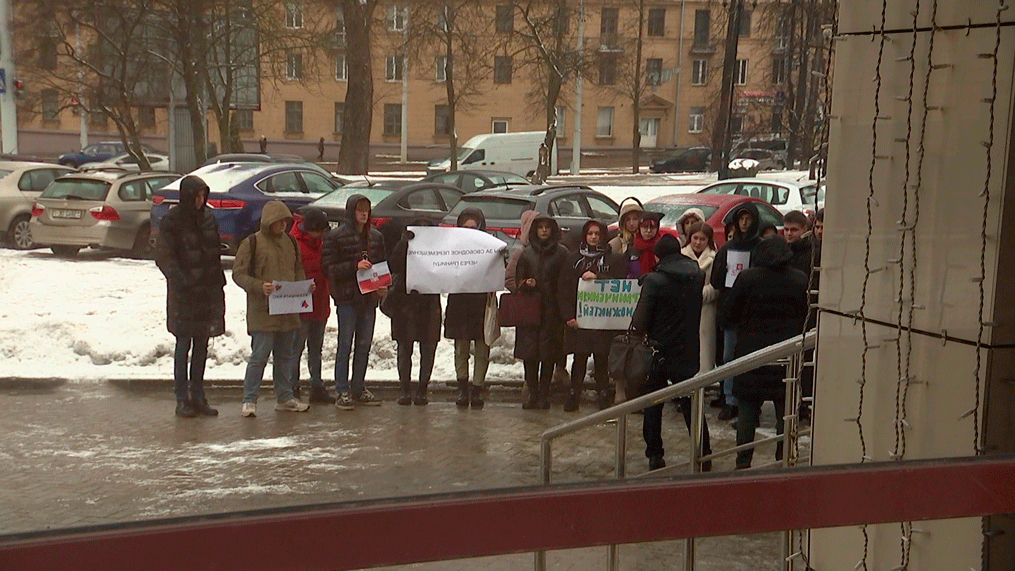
373	278
454	260
606	304
291	297
736	262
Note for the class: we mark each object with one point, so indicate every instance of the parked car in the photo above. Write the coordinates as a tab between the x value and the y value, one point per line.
570	205
97	152
515	152
238	191
766	159
125	162
776	145
716	208
20	185
271	158
471	181
98	210
695	159
394	204
785	196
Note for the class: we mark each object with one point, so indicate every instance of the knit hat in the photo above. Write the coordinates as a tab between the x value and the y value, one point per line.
666	245
314	219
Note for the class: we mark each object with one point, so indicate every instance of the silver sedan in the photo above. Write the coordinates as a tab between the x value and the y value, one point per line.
20	184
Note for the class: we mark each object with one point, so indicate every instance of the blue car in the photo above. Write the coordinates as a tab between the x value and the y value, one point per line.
238	192
97	152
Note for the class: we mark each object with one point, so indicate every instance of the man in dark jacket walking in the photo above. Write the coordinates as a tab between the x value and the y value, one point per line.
768	304
733	257
188	255
354	246
669	312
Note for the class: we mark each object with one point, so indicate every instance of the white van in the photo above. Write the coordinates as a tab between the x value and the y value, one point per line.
512	152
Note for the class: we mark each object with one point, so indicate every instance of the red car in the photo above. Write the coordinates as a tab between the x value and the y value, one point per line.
715	206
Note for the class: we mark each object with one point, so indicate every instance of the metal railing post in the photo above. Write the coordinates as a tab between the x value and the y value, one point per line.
621	448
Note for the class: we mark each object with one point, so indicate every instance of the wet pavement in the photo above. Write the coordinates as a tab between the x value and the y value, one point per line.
81	454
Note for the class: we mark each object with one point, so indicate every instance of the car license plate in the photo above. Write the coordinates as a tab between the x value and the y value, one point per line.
59	213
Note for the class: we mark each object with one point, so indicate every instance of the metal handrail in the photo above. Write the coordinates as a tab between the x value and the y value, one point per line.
760	358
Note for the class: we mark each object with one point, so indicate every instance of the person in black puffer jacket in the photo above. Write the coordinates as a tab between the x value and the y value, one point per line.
540	346
187	253
669	312
355	245
767	304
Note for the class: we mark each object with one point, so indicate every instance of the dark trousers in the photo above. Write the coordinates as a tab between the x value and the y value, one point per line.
311	337
748	419
601	370
652	421
427	354
191	386
538	375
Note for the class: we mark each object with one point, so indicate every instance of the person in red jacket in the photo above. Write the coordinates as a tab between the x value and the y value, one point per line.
309	233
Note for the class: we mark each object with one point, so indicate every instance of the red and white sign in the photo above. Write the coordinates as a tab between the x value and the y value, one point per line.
373	278
736	262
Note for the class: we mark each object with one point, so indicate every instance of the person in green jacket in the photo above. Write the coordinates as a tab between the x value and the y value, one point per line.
267	256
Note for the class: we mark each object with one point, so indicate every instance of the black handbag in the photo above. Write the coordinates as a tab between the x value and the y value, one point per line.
632	357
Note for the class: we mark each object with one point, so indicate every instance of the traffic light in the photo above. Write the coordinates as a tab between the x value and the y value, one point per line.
19	88
75	105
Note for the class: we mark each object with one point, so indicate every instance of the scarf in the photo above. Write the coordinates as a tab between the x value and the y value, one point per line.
643	252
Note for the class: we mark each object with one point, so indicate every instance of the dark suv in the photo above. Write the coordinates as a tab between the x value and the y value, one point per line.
695	159
571	206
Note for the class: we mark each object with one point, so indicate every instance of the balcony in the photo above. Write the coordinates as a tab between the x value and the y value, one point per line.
609	42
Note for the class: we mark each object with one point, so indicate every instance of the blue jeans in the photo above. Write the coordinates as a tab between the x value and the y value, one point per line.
194	388
729	340
311	336
354	320
262	345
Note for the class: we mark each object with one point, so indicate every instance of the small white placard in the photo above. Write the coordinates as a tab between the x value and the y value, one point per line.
291	297
736	262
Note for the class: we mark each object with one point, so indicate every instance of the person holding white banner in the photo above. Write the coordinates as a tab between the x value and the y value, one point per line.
593	260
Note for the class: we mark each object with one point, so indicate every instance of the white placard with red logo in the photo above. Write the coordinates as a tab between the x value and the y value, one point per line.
454	260
373	278
736	262
291	297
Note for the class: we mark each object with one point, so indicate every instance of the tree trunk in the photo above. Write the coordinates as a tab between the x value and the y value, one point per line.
636	100
449	86
354	154
191	30
721	134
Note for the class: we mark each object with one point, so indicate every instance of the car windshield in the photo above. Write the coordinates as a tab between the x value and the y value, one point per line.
807	193
508	179
494	207
463	152
342	195
76	188
673	211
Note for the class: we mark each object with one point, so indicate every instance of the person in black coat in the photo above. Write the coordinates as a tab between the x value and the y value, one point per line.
540	346
767	304
593	260
463	322
187	253
746	235
669	312
415	318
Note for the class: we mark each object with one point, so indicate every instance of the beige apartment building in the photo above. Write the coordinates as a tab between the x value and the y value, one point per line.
682	56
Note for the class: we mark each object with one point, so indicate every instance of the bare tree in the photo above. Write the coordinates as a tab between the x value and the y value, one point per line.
354	155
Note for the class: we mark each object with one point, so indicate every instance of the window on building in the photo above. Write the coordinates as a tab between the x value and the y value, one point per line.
294	116
339	20
740	72
293	15
294	65
607	69
699	71
657	22
653	71
244	119
47	52
341	70
502	69
777	118
779	71
440	66
737	123
392	118
745	23
499	126
505	18
442	119
97	117
702	21
339	115
393	68
604	122
443	14
146	116
50	105
394	17
696	121
782	27
561	112
608	20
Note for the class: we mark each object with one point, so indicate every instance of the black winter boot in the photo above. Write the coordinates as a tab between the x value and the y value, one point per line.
571	401
201	406
476	399
406	397
320	396
463	393
185	409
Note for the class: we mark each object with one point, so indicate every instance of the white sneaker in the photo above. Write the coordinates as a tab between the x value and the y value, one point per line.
292	405
248	409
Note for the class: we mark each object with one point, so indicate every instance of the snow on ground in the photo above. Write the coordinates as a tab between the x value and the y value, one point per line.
99	316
